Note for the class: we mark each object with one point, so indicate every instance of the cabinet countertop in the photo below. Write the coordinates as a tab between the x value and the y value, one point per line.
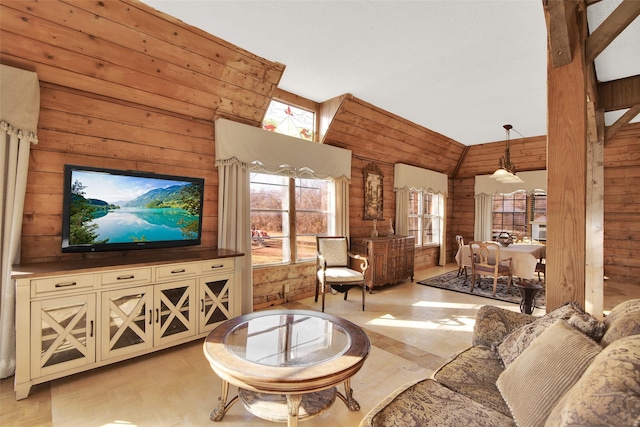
62	267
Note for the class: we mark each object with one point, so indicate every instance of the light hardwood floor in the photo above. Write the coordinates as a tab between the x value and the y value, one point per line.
413	329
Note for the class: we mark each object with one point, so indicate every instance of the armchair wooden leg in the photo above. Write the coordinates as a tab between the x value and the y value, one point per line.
364	291
323	295
317	288
495	285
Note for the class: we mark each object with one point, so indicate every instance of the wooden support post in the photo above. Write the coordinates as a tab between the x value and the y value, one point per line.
567	145
594	274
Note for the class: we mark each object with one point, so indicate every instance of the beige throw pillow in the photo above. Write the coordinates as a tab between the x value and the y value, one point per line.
534	382
517	341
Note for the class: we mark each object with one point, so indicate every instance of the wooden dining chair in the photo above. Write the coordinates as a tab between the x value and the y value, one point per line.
541	268
486	261
465	260
333	268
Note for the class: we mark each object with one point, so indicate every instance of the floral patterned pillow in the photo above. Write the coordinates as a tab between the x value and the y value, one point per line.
608	393
517	341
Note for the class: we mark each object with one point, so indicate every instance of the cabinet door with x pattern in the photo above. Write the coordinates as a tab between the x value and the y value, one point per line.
63	334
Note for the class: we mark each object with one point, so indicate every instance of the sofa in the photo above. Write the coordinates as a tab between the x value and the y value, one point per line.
565	368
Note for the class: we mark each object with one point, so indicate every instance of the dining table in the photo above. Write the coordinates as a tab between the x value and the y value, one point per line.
524	258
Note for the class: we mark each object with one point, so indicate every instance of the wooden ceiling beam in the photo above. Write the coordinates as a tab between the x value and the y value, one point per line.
619	94
611	27
559	43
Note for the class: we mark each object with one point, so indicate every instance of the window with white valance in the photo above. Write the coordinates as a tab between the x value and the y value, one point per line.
241	149
409	179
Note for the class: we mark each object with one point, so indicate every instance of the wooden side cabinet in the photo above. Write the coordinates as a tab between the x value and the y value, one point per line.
72	316
391	258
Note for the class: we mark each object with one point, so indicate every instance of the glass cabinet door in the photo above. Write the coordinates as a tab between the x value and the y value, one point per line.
214	301
64	334
127	320
174	311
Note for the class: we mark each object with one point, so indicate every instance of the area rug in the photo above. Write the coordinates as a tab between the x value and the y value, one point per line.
452	282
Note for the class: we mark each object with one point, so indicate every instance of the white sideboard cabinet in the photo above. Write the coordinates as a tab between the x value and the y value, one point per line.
72	316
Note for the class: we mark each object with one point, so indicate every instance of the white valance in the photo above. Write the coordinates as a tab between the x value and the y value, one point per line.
418	179
270	152
20	106
533	180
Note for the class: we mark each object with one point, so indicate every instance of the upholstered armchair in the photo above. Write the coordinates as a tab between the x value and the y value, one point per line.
333	268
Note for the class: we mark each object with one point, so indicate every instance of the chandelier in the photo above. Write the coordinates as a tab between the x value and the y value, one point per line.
506	172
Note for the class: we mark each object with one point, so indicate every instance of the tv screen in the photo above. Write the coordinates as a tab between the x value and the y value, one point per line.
107	209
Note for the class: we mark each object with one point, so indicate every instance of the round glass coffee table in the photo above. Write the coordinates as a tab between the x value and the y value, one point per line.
286	363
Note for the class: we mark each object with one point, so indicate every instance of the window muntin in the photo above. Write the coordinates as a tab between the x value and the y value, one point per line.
424	218
290	120
286	216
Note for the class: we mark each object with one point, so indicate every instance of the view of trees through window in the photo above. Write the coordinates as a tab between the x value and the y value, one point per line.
424	219
286	210
510	213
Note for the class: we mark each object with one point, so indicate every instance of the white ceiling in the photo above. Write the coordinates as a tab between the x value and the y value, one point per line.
462	68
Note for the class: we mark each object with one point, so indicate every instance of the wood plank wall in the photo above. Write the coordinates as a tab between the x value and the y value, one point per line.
379	137
125	86
622	206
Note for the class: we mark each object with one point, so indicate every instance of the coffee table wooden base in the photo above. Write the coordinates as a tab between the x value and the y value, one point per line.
289	408
282	408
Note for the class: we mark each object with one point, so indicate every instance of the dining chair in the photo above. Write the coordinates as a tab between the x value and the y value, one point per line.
465	260
486	261
541	268
334	270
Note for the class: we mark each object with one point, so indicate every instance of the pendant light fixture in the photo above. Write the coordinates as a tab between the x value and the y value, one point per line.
506	172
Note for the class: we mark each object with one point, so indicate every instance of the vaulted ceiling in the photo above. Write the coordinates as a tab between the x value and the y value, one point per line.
459	68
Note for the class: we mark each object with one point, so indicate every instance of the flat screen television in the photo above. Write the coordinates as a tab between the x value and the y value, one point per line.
108	209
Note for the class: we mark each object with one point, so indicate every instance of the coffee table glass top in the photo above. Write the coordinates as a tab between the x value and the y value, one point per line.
288	340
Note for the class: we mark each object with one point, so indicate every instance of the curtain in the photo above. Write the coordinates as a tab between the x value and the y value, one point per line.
241	149
342	207
234	230
19	111
402	211
442	211
483	223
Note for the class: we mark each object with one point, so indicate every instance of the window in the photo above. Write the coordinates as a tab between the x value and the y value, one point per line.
288	213
290	120
424	217
286	216
514	212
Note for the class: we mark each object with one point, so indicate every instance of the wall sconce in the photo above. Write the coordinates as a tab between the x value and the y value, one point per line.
506	172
